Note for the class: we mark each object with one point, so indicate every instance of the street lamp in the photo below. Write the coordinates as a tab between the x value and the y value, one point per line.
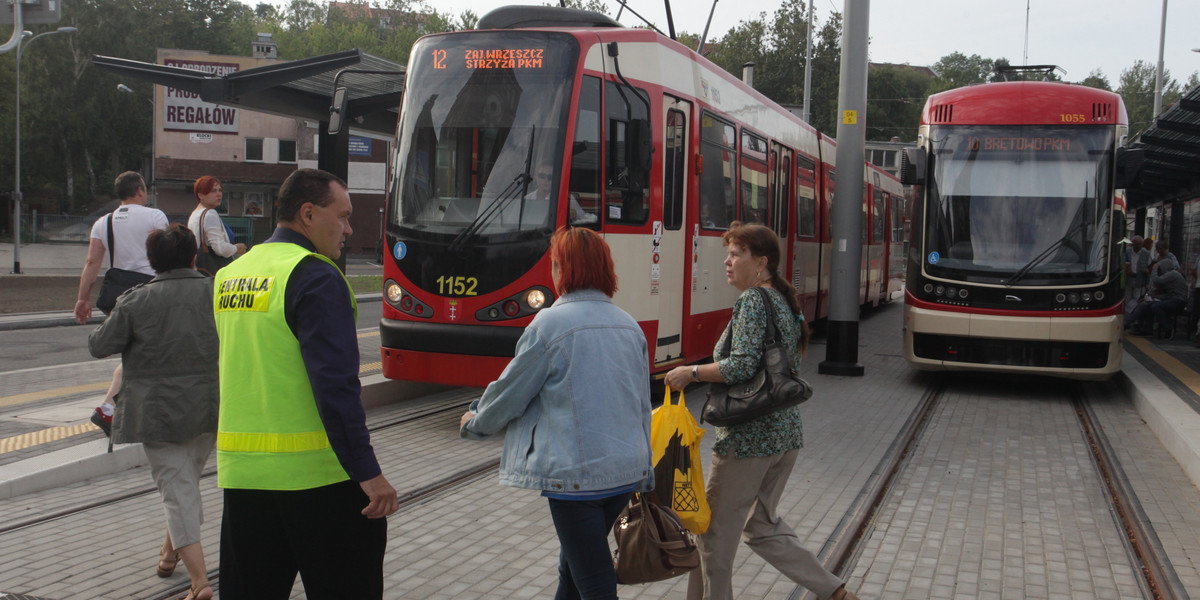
22	42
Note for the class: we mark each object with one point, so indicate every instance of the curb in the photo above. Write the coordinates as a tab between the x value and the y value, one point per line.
39	320
1176	424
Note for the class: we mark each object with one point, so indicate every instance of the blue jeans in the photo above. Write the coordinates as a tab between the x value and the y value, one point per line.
585	565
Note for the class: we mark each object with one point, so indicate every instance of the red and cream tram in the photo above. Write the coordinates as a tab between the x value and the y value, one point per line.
1015	263
546	117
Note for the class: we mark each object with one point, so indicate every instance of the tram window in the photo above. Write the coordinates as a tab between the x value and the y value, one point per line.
627	194
675	148
584	186
754	179
806	197
754	191
781	177
897	219
717	199
877	220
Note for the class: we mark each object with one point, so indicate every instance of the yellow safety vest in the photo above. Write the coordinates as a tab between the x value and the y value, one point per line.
269	435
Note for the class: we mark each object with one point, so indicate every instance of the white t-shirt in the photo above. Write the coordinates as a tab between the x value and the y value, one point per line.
214	229
132	223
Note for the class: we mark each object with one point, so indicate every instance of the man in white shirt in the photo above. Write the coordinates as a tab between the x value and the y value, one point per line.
132	223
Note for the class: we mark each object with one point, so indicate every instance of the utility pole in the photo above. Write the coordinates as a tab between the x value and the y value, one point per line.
841	357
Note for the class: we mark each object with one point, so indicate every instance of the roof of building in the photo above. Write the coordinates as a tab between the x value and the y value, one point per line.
1171	170
300	89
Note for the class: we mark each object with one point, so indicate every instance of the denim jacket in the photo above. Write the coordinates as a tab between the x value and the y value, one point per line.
576	400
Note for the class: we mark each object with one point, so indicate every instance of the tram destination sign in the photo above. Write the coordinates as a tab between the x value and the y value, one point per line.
1011	143
489	58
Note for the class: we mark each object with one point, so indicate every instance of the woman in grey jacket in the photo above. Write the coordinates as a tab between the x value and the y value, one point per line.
167	338
576	401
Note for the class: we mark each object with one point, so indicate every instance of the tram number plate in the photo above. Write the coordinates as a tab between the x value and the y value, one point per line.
457	286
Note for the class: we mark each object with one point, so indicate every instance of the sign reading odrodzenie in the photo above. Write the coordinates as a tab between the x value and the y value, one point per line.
185	111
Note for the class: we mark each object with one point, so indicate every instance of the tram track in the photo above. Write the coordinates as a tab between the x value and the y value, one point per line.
844	547
464	473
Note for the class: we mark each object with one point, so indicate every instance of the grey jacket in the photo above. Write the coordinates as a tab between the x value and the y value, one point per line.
167	338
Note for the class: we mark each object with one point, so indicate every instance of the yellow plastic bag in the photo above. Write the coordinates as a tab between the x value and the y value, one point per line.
678	477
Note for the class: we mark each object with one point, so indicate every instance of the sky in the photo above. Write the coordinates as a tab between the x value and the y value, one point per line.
1077	35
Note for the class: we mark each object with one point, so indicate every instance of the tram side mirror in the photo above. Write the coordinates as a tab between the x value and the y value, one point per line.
1129	166
912	166
337	111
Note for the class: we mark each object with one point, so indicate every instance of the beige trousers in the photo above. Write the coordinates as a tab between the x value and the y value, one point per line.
743	494
176	469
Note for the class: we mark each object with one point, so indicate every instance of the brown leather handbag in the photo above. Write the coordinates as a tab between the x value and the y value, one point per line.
652	544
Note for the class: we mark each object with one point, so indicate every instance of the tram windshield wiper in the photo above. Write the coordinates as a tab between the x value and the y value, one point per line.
1043	255
497	206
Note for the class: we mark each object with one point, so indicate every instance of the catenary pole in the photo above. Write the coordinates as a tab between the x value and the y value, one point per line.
841	357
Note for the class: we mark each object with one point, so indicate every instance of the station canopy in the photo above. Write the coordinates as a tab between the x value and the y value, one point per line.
1171	170
301	89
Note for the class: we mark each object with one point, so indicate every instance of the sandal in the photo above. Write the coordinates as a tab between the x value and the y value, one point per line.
204	593
167	562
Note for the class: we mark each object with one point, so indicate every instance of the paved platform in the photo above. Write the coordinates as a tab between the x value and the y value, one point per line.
957	528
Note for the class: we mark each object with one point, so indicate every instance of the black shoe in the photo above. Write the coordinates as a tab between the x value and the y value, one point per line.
103	421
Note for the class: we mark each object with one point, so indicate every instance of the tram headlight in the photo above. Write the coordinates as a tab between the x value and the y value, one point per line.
1086	296
962	293
393	291
511	308
950	292
939	290
1073	297
1099	295
928	288
535	299
1060	297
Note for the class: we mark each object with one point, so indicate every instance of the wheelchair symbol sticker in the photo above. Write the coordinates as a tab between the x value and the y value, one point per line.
399	251
934	257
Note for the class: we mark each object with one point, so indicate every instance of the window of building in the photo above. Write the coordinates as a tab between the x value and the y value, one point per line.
254	149
287	151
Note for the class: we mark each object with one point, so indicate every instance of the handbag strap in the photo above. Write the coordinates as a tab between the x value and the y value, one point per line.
111	250
771	329
203	233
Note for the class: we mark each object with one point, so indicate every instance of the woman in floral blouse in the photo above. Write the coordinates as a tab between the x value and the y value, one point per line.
751	462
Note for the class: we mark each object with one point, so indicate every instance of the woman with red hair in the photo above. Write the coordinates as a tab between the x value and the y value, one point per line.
576	401
208	228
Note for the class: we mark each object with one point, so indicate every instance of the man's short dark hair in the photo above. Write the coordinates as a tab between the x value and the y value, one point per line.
128	183
305	185
171	248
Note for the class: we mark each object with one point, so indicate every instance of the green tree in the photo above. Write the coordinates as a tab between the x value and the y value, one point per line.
895	97
1137	90
1096	79
957	70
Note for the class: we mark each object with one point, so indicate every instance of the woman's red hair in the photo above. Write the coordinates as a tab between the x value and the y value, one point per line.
204	185
584	261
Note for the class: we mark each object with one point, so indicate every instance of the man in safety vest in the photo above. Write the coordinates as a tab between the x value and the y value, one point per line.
303	489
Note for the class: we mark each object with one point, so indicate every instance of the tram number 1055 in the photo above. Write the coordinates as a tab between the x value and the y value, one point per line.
457	286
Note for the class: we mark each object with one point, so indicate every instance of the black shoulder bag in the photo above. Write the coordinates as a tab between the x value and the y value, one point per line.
116	281
773	388
207	261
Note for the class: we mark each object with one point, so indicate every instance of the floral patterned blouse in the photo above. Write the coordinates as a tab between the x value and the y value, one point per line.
775	433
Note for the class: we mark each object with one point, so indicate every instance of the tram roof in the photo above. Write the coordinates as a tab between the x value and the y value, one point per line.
1172	155
300	89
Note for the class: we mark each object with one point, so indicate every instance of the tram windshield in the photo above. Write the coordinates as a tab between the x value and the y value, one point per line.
484	115
1019	204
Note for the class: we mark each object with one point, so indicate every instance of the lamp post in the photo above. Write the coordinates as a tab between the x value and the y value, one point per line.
21	44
